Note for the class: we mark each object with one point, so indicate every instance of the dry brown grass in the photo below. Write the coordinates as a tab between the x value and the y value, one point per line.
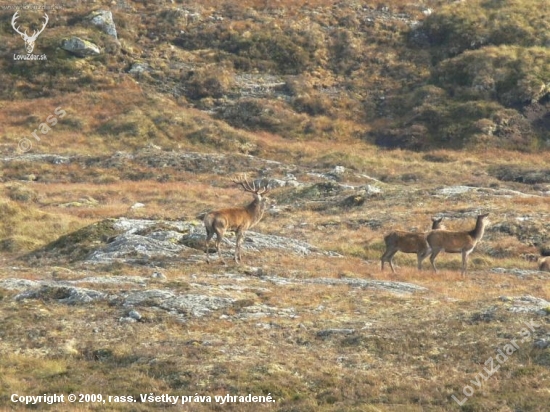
406	350
405	347
293	4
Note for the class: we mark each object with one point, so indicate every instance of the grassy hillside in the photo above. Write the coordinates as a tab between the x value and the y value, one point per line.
406	75
366	117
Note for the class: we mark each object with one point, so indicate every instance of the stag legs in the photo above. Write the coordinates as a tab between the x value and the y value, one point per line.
207	244
238	243
219	237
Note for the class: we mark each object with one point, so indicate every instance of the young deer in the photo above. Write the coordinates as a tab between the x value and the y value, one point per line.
239	219
457	242
408	242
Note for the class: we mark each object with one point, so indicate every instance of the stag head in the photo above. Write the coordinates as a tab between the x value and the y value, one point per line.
29	40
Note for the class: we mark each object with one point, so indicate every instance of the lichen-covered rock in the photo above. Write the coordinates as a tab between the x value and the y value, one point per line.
80	47
131	247
190	304
395	287
138	68
527	304
63	294
104	20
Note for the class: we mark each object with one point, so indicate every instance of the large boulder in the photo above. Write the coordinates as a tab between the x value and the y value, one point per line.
104	20
80	47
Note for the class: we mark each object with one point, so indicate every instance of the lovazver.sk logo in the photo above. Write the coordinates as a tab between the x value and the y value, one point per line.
29	40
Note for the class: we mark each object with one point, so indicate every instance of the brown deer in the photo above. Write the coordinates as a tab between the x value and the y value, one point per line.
238	219
457	242
544	264
544	261
408	242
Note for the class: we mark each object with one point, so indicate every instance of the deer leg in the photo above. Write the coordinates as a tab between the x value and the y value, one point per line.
465	254
392	254
421	256
238	246
387	257
391	266
432	258
419	259
384	258
208	238
219	237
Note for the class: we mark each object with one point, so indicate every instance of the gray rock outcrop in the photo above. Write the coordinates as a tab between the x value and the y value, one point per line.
80	47
104	20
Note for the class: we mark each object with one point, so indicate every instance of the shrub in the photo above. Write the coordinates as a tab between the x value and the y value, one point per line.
513	75
210	81
21	193
259	114
470	25
285	50
305	99
222	140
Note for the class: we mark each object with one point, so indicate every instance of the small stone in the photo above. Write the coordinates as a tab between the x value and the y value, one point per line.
139	68
542	344
158	275
254	271
329	332
134	314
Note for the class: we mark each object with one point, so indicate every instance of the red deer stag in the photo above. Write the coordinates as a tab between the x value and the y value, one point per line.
238	219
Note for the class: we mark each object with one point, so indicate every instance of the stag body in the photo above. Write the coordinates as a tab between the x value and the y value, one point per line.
29	40
408	242
457	242
238	219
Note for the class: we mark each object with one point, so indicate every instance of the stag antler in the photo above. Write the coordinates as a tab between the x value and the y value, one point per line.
35	34
15	17
247	187
25	35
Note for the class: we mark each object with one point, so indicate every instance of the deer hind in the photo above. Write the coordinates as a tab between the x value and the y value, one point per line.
239	219
29	40
462	242
408	242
